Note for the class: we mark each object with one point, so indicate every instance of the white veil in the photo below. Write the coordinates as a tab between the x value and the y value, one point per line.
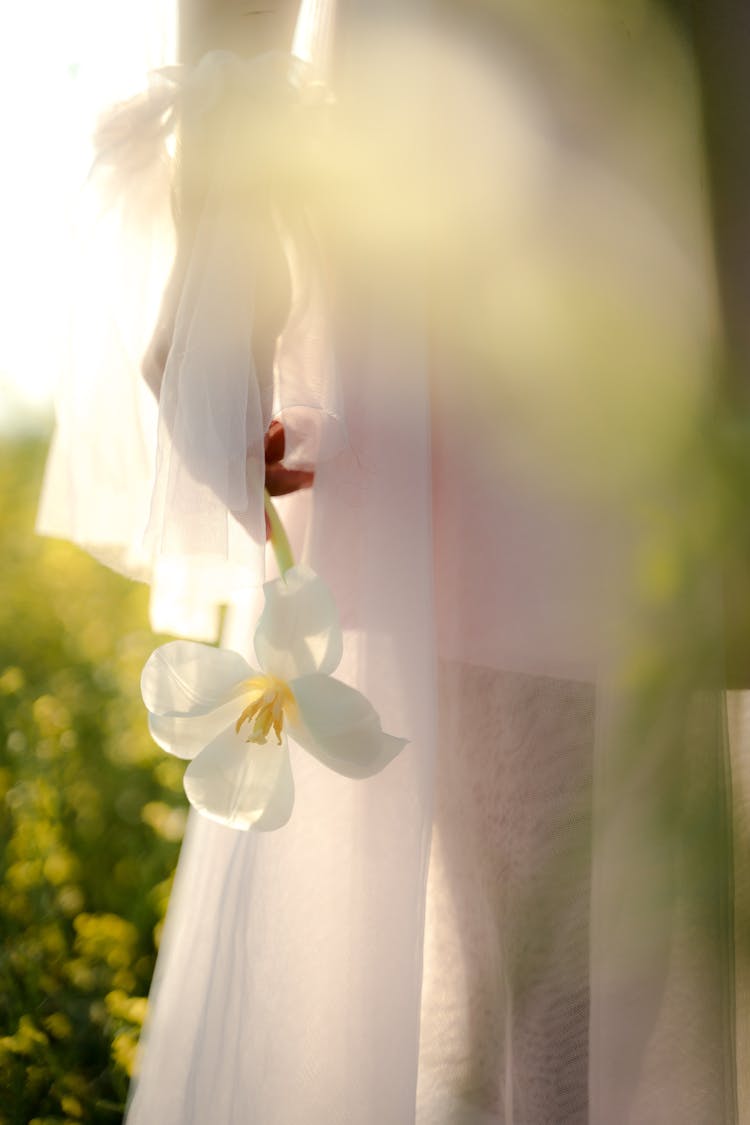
512	923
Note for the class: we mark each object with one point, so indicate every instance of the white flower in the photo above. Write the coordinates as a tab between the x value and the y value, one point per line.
208	705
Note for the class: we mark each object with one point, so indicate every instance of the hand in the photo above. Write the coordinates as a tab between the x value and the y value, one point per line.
281	481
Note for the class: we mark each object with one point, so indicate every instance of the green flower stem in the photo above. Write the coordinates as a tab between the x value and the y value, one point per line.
279	538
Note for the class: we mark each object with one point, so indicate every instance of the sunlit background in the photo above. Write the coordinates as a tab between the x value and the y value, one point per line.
91	814
40	120
61	63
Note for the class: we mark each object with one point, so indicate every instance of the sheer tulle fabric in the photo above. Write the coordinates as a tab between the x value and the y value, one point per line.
495	929
184	511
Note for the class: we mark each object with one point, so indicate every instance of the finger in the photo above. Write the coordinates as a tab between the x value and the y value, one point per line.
274	443
281	481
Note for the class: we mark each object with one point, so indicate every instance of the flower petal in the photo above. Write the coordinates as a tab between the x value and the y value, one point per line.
187	678
340	727
240	784
298	632
186	735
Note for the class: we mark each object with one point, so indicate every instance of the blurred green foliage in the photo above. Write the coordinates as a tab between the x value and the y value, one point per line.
91	813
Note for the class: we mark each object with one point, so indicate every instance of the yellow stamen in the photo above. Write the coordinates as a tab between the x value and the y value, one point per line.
269	698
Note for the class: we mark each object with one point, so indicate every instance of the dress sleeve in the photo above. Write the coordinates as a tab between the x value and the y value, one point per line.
162	477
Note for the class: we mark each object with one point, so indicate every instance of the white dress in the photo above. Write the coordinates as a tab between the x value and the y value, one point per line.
526	918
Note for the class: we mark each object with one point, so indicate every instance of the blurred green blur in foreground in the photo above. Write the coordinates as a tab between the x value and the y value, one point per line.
92	815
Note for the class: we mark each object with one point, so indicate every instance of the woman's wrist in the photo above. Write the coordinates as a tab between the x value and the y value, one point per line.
246	27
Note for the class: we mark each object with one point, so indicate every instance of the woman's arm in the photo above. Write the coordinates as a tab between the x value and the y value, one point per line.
247	27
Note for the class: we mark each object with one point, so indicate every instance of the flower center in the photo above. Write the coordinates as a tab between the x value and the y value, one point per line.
268	698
